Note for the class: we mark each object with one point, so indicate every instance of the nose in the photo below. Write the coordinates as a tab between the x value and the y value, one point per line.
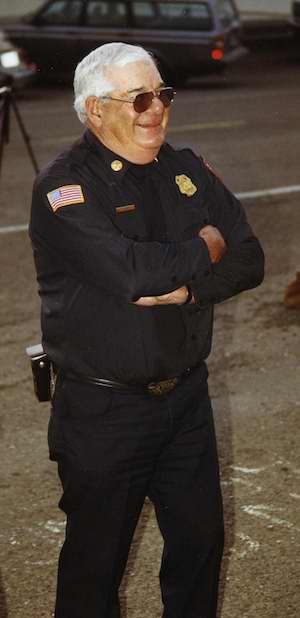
156	105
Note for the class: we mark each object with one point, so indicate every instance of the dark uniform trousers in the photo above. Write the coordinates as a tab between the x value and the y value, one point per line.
113	449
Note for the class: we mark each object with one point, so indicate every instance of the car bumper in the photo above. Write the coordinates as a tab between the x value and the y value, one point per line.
235	54
18	78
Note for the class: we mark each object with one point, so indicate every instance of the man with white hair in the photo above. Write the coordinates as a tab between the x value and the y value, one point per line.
134	242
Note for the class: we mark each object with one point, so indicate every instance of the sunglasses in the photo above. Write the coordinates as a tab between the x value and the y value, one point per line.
143	101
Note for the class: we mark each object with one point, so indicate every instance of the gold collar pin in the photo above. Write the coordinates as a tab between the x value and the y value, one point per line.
116	165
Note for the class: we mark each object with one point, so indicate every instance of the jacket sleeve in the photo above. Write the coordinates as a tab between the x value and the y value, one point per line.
84	241
242	266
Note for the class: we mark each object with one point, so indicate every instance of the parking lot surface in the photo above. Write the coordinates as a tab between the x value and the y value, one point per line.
247	125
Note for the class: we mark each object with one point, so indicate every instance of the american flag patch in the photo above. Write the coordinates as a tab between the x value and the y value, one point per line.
64	196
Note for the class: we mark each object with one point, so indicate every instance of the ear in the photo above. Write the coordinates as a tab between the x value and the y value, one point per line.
93	110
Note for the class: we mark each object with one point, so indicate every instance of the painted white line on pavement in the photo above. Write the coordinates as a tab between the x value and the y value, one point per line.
63	139
200	126
261	511
247	470
188	97
240	481
203	96
196	126
268	192
10	229
251	546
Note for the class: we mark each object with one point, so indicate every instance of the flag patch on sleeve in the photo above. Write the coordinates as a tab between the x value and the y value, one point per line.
65	196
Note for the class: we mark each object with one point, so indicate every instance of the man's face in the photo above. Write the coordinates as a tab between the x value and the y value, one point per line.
135	136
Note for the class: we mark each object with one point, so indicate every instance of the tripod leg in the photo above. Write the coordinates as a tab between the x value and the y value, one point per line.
26	137
4	125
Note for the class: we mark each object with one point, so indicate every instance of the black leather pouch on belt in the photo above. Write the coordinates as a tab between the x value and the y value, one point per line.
41	372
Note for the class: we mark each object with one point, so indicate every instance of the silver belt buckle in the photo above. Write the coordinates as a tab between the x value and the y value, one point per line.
162	387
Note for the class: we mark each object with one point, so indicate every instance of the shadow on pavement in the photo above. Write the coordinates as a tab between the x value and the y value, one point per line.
224	431
3	605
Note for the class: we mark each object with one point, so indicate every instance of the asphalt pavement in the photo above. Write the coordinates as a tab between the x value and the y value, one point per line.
248	125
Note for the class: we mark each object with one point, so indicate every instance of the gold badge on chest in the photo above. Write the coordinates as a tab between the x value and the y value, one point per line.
185	184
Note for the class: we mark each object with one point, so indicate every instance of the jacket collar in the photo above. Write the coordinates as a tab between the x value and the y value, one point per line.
114	163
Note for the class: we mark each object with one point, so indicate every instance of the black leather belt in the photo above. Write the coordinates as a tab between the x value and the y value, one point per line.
160	387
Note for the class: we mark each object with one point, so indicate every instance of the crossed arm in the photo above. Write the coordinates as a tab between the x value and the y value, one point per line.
216	247
92	249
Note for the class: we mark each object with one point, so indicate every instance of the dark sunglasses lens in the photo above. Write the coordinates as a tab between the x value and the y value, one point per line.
166	96
142	102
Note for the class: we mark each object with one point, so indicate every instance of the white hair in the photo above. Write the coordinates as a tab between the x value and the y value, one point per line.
89	78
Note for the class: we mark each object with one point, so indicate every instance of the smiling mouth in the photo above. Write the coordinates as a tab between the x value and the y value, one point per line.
153	125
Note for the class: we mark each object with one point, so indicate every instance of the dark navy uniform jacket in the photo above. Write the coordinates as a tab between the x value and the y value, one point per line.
97	255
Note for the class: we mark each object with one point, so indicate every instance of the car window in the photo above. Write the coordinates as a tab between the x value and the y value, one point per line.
61	12
146	14
173	15
101	13
296	10
227	12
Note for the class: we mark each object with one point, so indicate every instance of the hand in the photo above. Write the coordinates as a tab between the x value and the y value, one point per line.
215	242
177	297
